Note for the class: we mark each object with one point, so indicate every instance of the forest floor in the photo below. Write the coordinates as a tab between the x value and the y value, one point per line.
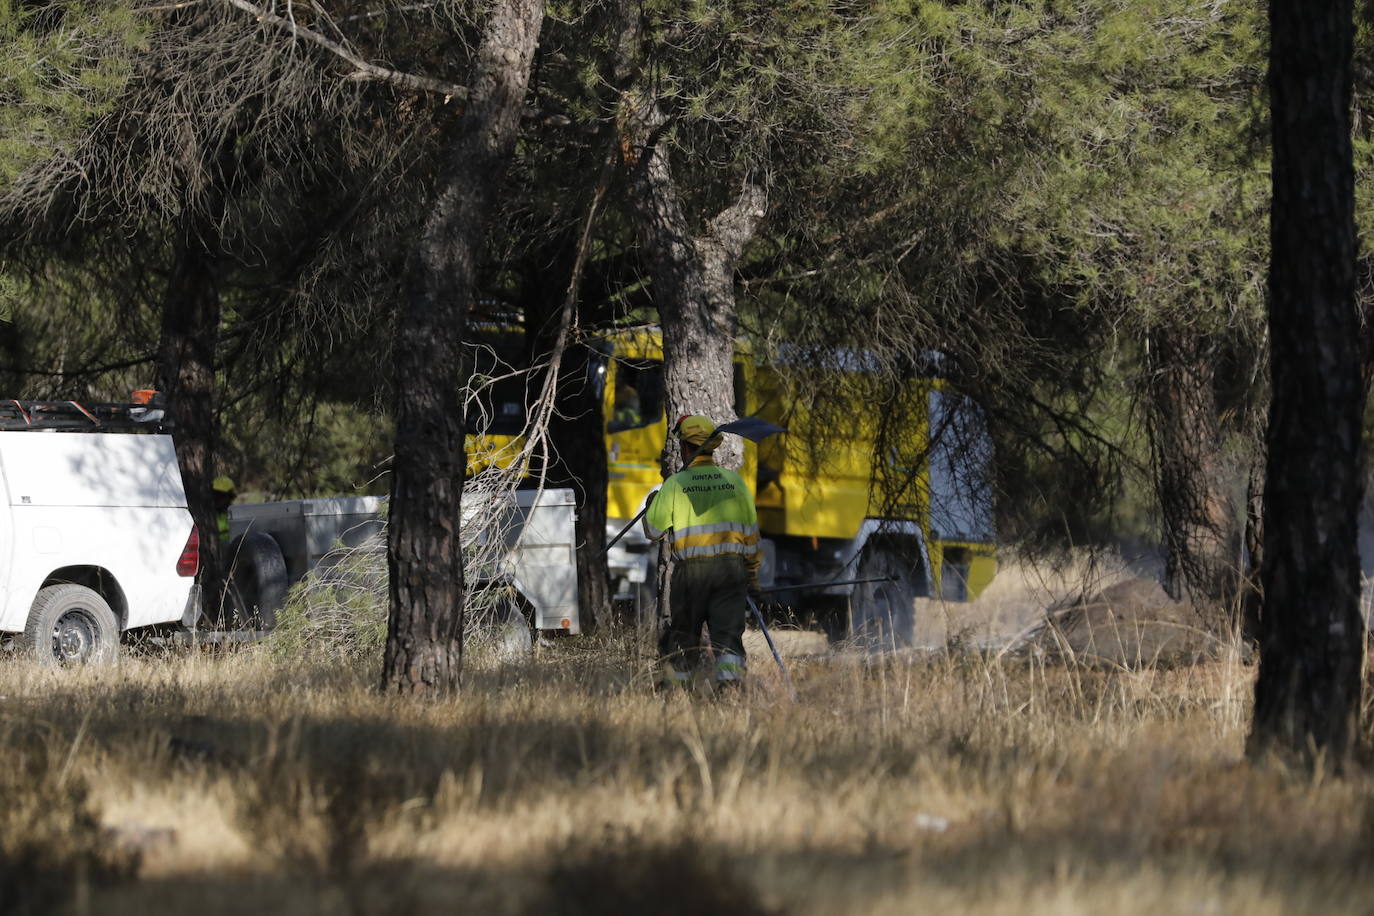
969	780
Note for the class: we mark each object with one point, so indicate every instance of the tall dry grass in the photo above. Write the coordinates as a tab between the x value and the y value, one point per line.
961	781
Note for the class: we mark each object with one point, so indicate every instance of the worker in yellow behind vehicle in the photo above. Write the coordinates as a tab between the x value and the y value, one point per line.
707	515
224	493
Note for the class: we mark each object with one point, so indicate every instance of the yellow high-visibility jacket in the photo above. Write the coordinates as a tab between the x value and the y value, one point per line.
710	513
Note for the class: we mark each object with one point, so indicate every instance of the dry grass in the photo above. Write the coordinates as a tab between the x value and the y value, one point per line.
954	782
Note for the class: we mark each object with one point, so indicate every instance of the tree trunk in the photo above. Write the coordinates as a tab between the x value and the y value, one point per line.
424	648
1307	696
577	442
577	431
1252	599
693	278
694	289
1201	532
186	375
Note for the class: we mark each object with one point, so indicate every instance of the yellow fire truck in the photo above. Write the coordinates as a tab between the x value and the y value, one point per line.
831	507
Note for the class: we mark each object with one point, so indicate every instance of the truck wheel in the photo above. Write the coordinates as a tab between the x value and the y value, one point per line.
258	572
882	614
831	613
71	624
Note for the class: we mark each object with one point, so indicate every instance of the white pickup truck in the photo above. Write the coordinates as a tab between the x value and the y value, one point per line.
95	536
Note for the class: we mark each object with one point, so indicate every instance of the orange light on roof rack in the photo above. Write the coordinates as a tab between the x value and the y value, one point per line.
143	396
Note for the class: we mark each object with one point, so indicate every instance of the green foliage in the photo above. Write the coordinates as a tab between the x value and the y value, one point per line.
1122	139
322	448
10	289
759	91
1363	135
1039	185
343	613
1025	186
62	65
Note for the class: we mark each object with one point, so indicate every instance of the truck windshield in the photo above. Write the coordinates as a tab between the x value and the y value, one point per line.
638	394
498	386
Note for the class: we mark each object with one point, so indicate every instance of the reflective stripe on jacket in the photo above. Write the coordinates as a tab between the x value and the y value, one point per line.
710	513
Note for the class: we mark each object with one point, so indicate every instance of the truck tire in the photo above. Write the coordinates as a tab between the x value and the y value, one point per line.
258	573
882	615
70	624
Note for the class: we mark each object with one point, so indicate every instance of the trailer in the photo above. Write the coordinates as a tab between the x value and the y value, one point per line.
523	555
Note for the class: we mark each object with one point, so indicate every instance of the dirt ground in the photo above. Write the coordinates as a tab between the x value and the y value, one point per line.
1014	606
1008	612
1094	611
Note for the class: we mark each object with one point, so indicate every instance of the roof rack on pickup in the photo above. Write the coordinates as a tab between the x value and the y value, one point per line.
73	415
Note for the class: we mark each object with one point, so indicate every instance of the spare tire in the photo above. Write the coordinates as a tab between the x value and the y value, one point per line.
257	570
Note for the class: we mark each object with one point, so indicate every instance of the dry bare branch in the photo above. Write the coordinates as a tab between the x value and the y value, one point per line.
363	69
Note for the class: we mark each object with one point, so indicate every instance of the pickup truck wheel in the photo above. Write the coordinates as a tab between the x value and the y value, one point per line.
258	571
71	624
882	614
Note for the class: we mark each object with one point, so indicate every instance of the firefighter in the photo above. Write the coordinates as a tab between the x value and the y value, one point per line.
224	493
627	414
707	515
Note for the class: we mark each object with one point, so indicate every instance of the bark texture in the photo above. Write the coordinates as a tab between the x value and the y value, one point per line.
1307	696
576	431
186	375
1201	530
693	285
693	275
424	648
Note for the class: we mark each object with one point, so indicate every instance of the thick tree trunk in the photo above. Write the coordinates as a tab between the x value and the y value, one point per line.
1201	530
693	287
578	446
186	375
693	282
577	433
698	329
424	648
693	277
1307	696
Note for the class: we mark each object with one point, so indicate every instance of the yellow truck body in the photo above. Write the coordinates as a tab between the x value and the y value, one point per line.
822	483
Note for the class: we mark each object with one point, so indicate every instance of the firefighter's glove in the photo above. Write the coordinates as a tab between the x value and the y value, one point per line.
755	594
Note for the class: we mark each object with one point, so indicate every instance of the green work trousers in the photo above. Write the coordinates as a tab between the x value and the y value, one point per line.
713	591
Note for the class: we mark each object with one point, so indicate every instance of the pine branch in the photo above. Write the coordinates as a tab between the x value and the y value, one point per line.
363	69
